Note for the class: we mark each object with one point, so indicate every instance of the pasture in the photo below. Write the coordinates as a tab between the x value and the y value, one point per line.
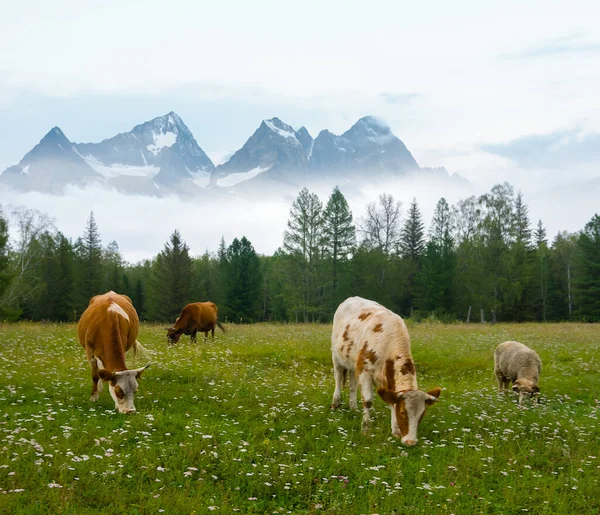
243	425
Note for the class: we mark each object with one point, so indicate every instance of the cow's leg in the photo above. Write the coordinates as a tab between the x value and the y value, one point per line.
193	337
205	336
95	378
213	333
502	382
353	387
338	375
366	392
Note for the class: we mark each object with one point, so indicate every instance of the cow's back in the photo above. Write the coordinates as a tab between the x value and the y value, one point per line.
363	326
104	315
197	316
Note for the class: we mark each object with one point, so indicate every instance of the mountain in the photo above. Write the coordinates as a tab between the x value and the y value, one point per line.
276	153
49	166
160	155
368	145
274	149
162	149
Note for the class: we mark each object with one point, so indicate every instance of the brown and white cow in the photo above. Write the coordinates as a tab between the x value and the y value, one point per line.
107	329
371	344
197	316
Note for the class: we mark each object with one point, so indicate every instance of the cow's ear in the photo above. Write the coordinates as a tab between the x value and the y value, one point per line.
433	395
139	371
105	375
388	396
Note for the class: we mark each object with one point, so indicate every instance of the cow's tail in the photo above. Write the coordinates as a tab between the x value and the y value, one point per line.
139	350
221	327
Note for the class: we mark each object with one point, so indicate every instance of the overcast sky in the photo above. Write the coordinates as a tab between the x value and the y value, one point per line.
508	90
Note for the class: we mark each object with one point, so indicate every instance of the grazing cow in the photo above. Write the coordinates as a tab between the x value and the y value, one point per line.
197	316
371	343
107	329
516	362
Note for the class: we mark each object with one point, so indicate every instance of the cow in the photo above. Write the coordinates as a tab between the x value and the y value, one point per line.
516	362
197	316
371	344
106	330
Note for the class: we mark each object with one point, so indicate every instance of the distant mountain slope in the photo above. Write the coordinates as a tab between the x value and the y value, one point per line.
49	166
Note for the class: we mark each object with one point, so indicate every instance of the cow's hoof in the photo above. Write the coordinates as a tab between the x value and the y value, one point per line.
94	397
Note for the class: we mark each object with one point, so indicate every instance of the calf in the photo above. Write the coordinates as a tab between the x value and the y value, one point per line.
516	362
371	345
197	316
107	329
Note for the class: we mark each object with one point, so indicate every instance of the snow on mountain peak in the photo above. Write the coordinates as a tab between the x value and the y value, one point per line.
162	140
283	129
375	123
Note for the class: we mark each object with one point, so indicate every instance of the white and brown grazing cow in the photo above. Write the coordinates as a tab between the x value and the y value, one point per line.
516	362
106	330
197	316
370	343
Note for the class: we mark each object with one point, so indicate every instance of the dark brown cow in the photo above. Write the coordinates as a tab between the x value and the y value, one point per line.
197	316
107	329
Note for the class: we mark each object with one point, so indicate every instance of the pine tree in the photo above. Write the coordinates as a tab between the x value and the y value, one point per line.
339	239
302	242
172	281
588	281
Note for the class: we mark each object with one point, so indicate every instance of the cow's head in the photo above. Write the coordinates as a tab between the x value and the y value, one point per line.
525	387
172	335
408	408
122	386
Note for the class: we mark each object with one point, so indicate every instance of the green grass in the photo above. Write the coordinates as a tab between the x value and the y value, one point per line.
243	424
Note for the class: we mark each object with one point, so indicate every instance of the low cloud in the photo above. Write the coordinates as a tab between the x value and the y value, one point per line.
560	149
568	45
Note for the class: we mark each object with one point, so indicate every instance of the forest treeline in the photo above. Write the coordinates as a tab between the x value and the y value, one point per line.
481	258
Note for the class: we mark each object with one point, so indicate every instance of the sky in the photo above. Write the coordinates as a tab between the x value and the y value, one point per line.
490	90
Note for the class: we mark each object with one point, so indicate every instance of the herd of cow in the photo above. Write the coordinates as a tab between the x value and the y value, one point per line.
370	346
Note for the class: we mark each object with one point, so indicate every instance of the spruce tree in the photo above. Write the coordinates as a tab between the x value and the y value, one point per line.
588	280
411	247
89	264
434	282
412	237
171	282
244	281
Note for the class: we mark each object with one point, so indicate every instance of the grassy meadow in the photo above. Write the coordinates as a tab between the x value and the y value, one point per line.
243	425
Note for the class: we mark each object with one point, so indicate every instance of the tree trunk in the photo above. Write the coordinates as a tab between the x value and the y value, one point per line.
482	317
469	315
